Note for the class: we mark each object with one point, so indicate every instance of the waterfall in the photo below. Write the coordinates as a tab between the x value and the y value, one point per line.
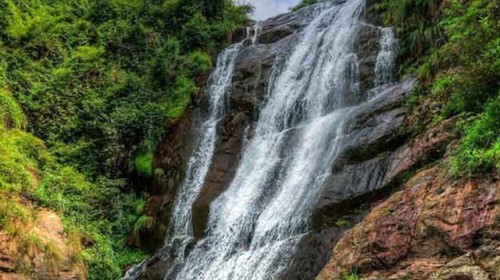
179	234
200	160
385	68
255	225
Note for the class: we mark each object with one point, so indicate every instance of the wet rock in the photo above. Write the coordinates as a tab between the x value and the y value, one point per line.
346	189
250	79
376	156
275	34
292	21
169	165
427	146
313	251
367	48
224	163
431	227
371	160
367	153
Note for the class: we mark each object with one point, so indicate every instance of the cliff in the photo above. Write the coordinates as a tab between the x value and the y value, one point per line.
391	208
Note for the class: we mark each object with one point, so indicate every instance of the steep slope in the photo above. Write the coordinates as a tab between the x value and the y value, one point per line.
386	142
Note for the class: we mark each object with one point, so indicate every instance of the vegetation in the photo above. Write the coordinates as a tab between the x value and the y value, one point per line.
342	223
85	90
304	3
455	48
352	276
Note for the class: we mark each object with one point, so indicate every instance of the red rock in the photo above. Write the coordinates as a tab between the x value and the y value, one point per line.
434	223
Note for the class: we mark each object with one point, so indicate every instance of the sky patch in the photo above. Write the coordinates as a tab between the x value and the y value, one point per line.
268	8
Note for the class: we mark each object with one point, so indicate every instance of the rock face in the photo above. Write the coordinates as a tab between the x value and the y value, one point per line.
373	139
170	160
51	257
251	76
376	160
437	227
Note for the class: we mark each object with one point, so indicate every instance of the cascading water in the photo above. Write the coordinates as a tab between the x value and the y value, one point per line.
197	168
255	225
385	70
180	230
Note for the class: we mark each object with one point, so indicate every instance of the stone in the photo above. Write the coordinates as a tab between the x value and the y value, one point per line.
432	226
429	145
367	48
169	164
365	158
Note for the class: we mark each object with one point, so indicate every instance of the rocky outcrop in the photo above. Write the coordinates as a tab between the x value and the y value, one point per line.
366	156
437	227
367	48
250	80
377	157
44	252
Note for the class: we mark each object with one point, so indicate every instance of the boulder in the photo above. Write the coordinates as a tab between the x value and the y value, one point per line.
437	227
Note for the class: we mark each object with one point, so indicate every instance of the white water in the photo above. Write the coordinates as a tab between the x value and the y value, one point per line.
180	226
385	69
255	225
200	160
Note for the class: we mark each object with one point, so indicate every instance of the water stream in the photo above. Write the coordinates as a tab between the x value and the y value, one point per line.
255	225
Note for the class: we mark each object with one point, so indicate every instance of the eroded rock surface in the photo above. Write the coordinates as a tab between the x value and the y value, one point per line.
376	157
437	227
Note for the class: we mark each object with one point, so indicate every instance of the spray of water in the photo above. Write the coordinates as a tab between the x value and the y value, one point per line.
255	225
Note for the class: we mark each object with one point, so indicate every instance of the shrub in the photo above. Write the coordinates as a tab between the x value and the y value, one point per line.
11	115
454	47
479	150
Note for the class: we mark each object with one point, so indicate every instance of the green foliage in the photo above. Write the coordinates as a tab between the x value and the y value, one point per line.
454	47
143	221
99	77
351	276
21	158
144	164
480	147
196	32
416	21
183	88
304	3
11	115
342	223
96	80
100	213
